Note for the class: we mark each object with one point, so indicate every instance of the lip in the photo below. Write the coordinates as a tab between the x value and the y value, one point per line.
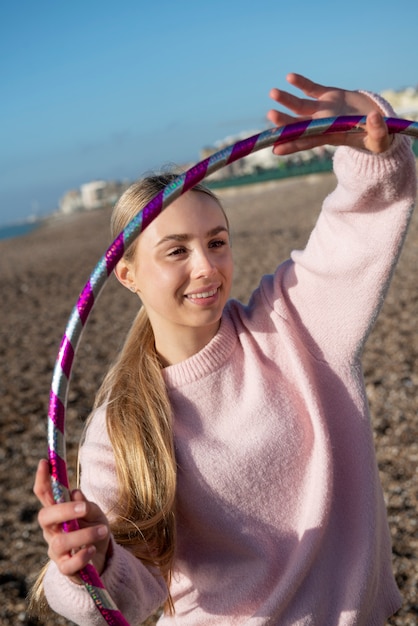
203	296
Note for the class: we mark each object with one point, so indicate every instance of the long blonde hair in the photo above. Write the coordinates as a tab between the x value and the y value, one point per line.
139	425
138	415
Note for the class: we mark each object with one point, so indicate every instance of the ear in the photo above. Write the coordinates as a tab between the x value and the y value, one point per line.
125	275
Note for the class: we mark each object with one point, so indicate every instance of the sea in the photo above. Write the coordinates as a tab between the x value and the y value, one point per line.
10	231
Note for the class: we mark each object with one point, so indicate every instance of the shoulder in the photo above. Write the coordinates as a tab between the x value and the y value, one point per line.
96	427
265	303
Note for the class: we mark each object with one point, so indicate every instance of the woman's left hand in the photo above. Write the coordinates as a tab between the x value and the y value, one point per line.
322	101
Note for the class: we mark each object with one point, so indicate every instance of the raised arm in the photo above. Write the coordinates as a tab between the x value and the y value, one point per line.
334	287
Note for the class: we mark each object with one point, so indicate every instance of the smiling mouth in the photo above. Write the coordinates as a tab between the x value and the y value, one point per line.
203	294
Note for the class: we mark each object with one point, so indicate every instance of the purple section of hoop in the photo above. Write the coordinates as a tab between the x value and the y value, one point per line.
85	303
90	577
397	124
295	130
114	618
195	175
58	468
342	123
94	578
56	411
243	148
152	209
114	253
71	525
66	356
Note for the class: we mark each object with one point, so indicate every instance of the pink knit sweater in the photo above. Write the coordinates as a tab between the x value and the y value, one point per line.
280	513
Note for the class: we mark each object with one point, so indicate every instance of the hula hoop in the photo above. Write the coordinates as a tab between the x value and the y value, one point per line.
105	266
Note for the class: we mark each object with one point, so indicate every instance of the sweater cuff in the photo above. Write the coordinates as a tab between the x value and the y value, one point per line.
137	590
387	111
385	108
360	167
367	163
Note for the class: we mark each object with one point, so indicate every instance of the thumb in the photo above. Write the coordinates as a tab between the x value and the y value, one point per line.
377	138
42	486
78	496
93	513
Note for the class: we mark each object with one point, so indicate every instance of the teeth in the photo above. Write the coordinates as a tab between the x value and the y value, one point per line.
205	294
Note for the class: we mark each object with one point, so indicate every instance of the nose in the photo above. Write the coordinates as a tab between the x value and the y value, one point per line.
203	264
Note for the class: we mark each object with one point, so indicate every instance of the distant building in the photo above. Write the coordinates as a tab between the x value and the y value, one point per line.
92	195
405	102
261	160
71	202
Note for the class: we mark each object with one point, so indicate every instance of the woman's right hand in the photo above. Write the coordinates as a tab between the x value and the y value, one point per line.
323	101
71	551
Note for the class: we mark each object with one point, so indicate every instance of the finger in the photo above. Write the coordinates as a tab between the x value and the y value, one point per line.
93	513
280	119
70	564
42	487
300	106
377	138
62	543
55	515
307	143
78	496
309	87
72	551
298	145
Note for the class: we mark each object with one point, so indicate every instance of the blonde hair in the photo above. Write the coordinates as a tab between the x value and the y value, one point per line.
139	422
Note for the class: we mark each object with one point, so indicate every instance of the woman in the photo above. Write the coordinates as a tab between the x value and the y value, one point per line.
228	468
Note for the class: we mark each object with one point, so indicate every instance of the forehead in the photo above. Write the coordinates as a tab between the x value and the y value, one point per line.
193	211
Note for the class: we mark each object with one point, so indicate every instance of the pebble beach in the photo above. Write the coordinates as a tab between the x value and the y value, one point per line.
41	276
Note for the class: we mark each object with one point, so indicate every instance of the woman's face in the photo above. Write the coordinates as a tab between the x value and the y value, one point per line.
182	268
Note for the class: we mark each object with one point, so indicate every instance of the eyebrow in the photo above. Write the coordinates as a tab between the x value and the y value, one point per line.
182	237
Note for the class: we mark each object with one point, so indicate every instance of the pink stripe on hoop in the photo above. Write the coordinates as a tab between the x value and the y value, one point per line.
243	148
58	468
85	302
66	355
349	122
152	210
399	125
294	130
95	579
114	618
114	253
195	175
56	411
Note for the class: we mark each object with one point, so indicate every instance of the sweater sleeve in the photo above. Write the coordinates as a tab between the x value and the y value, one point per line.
333	290
137	590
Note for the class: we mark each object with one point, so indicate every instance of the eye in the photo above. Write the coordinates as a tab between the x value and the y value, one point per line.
218	243
177	251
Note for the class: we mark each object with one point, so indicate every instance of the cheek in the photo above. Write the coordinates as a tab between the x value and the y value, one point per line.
228	267
155	279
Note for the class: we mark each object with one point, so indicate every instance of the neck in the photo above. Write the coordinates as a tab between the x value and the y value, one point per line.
174	349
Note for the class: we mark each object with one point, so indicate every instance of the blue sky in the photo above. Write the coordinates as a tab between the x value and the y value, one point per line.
109	90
